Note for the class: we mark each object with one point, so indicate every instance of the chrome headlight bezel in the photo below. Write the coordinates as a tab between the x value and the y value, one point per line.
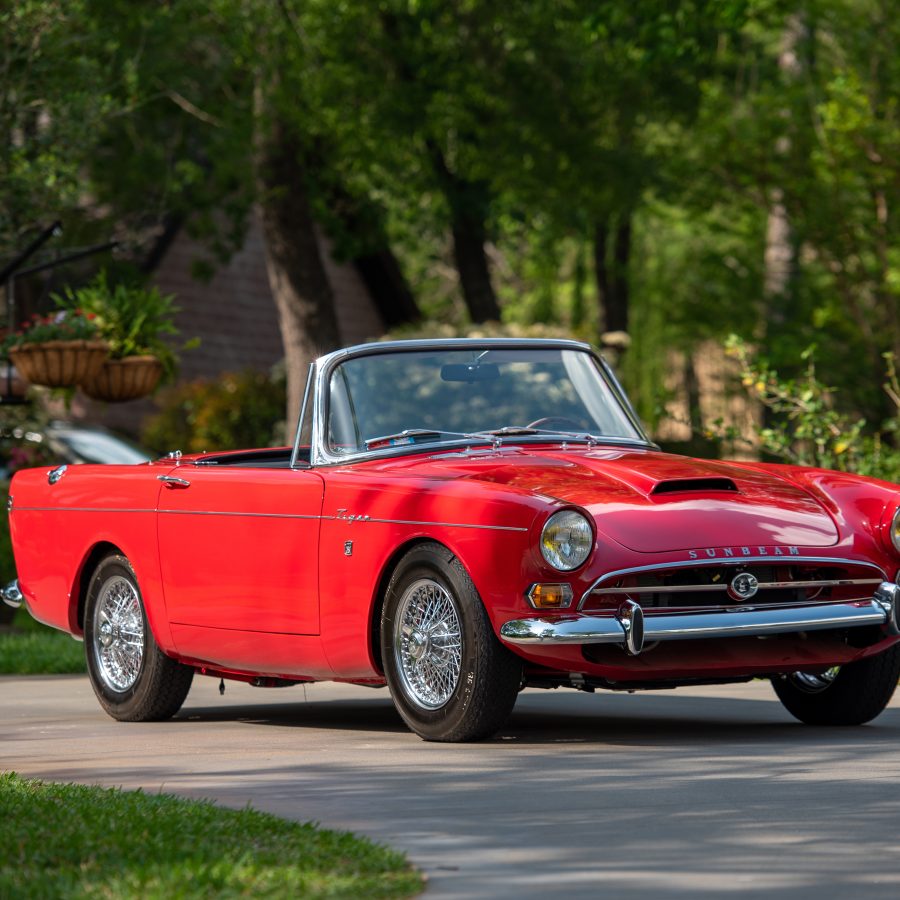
567	540
894	533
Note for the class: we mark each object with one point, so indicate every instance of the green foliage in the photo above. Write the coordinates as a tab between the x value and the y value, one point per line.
535	122
38	650
809	120
233	412
54	98
132	319
64	325
808	427
77	841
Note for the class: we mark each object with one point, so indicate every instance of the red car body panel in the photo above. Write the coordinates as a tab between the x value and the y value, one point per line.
111	506
253	567
246	570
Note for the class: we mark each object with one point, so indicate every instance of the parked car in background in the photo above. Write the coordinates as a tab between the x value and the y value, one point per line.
66	442
459	519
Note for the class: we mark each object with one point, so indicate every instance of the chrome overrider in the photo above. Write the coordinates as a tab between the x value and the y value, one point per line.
11	595
631	629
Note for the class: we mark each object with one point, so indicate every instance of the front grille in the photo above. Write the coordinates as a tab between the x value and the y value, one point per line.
706	586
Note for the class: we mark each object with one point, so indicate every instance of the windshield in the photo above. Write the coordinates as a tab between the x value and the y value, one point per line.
445	394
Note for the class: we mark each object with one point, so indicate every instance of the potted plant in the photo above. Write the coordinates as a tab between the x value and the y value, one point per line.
133	321
62	349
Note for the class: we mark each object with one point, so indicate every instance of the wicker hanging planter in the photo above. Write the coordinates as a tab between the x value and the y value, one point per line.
59	363
119	380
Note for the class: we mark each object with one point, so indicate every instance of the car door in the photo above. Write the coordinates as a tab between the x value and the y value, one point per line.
238	548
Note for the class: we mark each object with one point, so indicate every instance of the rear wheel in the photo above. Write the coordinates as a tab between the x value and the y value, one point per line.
449	676
849	695
132	678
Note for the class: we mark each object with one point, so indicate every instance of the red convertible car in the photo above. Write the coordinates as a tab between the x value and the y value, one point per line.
459	519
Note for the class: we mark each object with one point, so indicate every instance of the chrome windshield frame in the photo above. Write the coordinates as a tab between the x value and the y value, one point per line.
295	451
325	366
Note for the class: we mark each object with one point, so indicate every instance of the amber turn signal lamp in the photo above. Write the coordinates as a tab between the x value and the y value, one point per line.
550	596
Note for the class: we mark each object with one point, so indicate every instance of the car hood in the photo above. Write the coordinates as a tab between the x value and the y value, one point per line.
655	502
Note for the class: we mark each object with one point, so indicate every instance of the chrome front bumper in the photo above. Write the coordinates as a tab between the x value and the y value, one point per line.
630	628
11	595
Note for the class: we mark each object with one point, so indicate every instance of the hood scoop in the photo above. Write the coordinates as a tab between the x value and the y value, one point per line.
694	486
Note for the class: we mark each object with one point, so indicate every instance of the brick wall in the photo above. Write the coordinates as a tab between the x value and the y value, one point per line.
234	316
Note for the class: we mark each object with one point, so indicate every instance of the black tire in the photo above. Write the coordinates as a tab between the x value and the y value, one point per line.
851	695
133	679
463	684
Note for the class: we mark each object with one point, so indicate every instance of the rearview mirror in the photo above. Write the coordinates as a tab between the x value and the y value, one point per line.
469	373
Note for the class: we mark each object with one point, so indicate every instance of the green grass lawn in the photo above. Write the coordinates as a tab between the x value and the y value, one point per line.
71	841
29	648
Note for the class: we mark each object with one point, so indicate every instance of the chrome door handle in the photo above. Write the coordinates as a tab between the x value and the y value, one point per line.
172	481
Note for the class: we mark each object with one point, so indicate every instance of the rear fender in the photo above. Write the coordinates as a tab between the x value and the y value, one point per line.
146	570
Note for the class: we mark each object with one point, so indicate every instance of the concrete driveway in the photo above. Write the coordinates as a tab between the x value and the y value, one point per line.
703	791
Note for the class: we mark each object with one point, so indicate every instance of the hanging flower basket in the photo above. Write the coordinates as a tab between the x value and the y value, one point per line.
59	363
118	380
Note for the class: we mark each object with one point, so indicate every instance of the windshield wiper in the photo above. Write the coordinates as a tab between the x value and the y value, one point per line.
508	430
494	436
497	434
402	438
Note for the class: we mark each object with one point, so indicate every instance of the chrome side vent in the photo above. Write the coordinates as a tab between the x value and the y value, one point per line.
695	485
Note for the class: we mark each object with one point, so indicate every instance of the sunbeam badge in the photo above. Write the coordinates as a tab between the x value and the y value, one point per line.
743	587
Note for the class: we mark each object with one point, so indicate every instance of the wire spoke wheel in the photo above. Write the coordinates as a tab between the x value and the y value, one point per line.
428	643
131	676
119	634
449	676
850	694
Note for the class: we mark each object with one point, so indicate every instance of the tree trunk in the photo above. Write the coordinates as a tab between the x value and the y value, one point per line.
611	267
362	238
579	280
384	279
780	255
468	202
472	265
779	263
692	394
297	276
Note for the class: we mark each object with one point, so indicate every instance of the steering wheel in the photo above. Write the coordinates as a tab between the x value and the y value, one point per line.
556	423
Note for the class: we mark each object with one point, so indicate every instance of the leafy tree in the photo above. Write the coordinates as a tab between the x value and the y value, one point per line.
53	99
819	137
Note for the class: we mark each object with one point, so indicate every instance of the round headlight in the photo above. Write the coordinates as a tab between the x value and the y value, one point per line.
895	530
566	540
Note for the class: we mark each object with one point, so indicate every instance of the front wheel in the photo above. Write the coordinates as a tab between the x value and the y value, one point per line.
132	678
449	676
849	695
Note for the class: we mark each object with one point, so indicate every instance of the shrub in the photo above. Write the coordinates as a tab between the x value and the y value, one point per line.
232	412
808	428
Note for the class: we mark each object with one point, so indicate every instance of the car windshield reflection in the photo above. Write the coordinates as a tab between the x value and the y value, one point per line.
385	400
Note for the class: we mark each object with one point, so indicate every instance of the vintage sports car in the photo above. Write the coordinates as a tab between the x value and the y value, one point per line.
459	519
